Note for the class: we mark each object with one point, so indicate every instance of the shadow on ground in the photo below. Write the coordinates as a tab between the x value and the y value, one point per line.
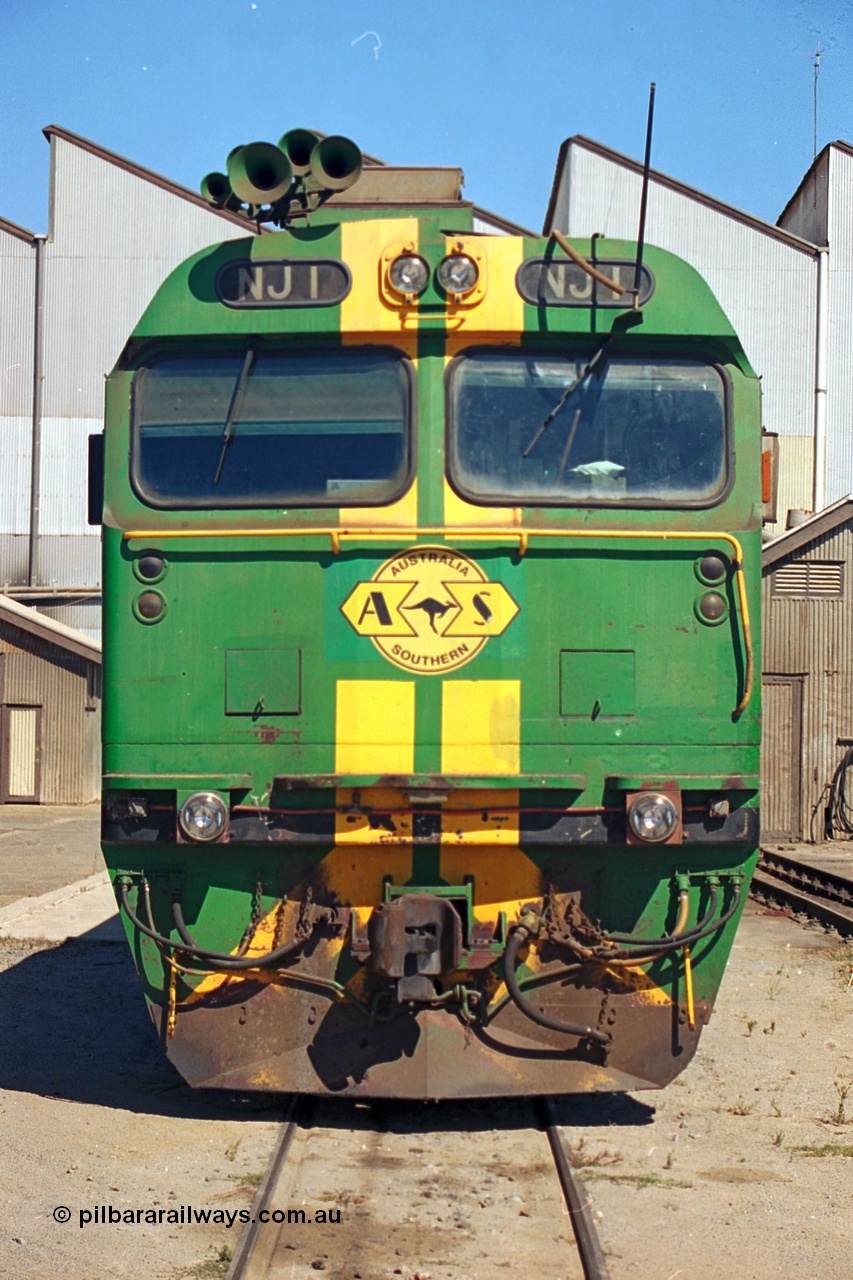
73	1025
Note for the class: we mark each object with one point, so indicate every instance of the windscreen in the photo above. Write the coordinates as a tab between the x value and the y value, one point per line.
272	429
581	430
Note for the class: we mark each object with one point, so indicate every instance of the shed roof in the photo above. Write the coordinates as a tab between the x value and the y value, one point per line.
38	624
184	193
664	180
20	233
801	535
838	145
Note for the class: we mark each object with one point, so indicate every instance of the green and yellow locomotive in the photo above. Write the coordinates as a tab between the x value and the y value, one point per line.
430	743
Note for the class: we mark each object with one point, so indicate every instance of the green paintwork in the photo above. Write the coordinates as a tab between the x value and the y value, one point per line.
235	686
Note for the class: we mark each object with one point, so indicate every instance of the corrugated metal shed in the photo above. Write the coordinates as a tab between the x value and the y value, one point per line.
765	278
17	290
116	231
50	697
808	670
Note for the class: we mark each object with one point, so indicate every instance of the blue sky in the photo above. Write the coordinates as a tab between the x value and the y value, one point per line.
490	85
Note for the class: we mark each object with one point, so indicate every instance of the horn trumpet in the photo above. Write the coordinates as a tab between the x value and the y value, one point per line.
259	173
336	163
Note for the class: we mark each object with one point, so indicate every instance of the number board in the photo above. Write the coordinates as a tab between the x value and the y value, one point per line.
283	282
557	282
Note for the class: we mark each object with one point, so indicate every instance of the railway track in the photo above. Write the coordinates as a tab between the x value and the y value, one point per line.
466	1190
810	892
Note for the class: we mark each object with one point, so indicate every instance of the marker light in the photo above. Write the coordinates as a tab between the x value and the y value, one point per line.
653	817
712	568
458	274
203	817
408	274
712	607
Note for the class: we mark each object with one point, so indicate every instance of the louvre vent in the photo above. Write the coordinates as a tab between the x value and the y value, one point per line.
811	578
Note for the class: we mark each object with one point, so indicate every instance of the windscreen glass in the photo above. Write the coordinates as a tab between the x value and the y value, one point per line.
579	431
272	429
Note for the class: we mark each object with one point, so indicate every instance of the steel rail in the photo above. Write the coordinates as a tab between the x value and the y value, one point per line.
247	1244
824	884
577	1203
768	886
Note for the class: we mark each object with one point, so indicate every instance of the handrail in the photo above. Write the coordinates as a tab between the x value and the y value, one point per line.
480	533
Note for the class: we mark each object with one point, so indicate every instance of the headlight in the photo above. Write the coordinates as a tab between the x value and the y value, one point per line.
653	817
408	274
458	273
203	817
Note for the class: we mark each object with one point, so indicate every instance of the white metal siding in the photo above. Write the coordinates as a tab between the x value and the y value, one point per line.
17	281
17	284
766	287
839	400
806	214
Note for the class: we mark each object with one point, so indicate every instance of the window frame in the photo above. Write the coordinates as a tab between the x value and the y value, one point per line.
584	352
244	503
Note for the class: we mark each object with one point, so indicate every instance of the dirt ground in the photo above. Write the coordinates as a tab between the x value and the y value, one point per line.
741	1169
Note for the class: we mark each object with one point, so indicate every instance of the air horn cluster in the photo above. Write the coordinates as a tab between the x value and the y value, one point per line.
275	183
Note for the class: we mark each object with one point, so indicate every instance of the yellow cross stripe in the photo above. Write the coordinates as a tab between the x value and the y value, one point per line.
397	515
365	309
375	726
481	726
500	315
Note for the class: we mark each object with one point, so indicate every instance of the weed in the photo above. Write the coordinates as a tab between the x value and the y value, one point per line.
777	1138
774	989
232	1149
768	1031
633	1179
581	1159
668	1163
844	960
777	1110
839	1115
209	1269
826	1149
741	1108
250	1180
751	1024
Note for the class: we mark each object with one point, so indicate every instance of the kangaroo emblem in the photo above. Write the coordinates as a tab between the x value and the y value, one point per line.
432	608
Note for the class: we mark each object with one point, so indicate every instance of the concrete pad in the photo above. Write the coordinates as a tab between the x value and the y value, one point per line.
85	910
44	847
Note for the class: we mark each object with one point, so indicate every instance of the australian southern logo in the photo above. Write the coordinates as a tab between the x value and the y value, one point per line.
429	609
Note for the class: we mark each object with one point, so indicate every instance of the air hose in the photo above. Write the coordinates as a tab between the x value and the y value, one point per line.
229	963
514	945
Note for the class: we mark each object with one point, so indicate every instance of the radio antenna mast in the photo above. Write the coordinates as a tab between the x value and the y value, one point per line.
816	65
644	197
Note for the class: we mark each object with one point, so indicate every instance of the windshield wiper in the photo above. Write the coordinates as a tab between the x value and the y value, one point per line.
236	397
573	386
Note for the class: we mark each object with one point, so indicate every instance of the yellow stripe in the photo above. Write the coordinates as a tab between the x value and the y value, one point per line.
480	726
398	515
500	316
375	726
365	310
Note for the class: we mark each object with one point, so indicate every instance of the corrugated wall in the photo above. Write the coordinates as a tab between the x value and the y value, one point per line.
67	688
114	238
17	285
806	213
839	455
766	285
814	638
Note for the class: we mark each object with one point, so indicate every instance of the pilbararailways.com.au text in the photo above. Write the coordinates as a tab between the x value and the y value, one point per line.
185	1215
